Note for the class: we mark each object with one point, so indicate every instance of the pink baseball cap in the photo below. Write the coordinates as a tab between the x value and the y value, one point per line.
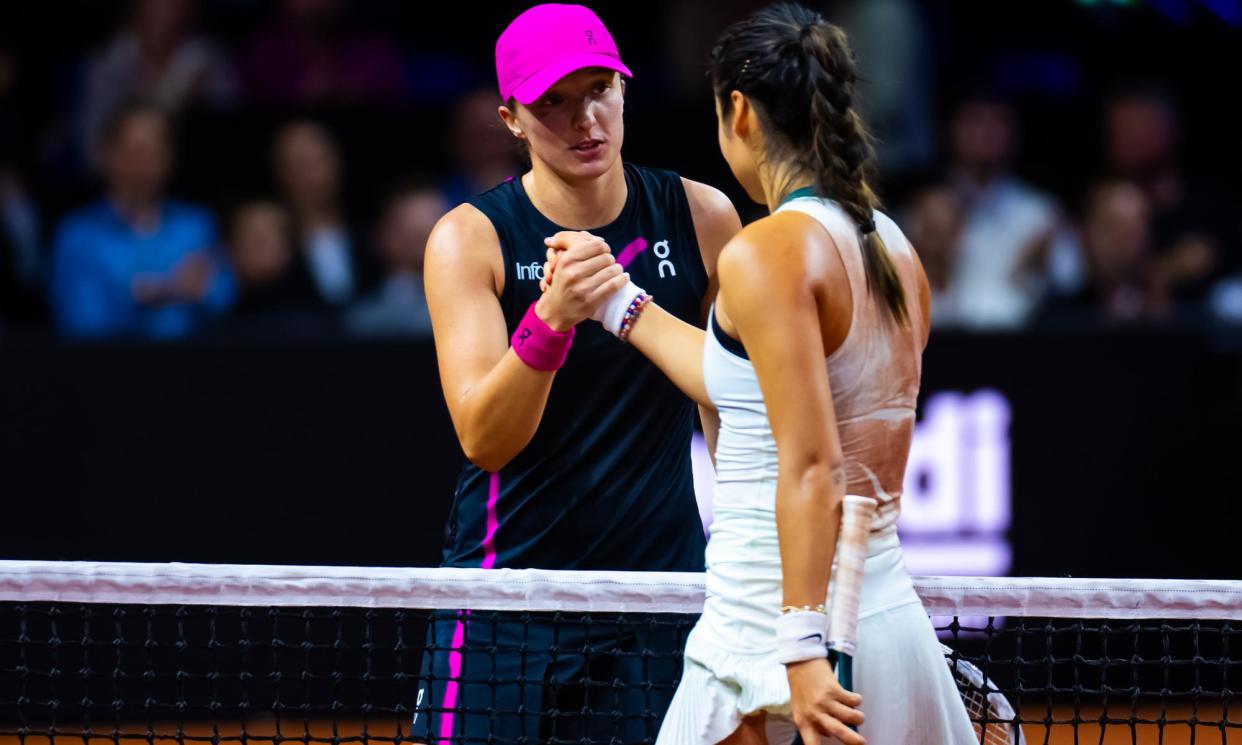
546	43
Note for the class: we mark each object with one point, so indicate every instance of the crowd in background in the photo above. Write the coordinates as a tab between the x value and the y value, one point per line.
98	238
1144	243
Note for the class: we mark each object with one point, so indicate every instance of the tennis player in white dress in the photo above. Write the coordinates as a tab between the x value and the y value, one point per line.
812	358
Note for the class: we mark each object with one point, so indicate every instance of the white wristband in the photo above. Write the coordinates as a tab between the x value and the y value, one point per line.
612	312
801	636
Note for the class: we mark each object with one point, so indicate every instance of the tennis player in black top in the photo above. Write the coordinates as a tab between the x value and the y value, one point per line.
579	448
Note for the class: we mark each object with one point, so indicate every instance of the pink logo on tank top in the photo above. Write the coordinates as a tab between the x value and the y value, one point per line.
638	245
631	252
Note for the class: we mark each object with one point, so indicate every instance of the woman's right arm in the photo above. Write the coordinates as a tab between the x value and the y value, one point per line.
775	278
494	398
676	347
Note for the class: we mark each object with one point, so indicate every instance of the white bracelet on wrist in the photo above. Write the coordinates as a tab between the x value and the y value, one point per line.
801	636
612	313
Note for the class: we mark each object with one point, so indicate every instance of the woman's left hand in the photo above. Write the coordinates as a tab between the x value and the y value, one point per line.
821	707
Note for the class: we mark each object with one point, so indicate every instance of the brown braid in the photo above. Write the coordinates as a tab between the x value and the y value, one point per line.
799	73
844	155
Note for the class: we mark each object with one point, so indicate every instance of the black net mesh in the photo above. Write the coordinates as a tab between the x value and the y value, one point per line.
1147	681
334	675
216	674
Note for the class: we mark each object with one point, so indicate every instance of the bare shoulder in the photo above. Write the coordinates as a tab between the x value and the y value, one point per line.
708	201
715	219
461	231
786	248
465	245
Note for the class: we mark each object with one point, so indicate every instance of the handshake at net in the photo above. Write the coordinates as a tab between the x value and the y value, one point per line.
582	279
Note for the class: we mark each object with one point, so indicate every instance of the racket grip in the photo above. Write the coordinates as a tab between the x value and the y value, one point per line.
844	665
847	579
856	516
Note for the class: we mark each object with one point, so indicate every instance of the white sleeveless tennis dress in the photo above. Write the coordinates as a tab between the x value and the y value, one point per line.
731	671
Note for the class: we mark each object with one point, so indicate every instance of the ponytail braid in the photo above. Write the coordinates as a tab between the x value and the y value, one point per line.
798	72
845	156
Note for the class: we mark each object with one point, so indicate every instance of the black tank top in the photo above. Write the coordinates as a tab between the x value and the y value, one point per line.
606	481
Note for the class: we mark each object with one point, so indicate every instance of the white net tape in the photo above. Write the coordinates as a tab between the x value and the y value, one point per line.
544	590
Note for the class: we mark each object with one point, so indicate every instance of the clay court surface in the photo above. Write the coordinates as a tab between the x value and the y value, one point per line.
261	732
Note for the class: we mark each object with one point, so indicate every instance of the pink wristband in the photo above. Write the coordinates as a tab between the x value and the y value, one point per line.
536	344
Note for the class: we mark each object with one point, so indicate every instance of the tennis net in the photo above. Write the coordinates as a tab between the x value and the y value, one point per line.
224	653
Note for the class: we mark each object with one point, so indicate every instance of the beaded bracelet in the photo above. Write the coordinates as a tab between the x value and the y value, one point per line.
635	309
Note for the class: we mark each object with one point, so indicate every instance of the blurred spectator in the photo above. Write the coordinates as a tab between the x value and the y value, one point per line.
308	170
1225	300
136	263
999	271
313	54
261	246
1117	239
892	39
155	58
399	306
484	151
688	30
933	223
20	256
1190	224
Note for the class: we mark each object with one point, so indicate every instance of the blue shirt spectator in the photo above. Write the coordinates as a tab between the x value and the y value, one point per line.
112	278
135	263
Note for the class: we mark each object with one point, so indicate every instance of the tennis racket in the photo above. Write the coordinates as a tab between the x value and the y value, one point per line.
991	714
846	588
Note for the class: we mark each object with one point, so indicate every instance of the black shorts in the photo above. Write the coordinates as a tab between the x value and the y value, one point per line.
516	677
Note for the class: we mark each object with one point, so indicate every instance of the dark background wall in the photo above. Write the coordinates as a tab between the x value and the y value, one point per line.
1124	451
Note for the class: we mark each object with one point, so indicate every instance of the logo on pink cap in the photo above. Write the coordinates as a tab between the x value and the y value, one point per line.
548	42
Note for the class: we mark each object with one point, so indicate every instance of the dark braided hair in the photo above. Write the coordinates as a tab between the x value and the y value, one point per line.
799	73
